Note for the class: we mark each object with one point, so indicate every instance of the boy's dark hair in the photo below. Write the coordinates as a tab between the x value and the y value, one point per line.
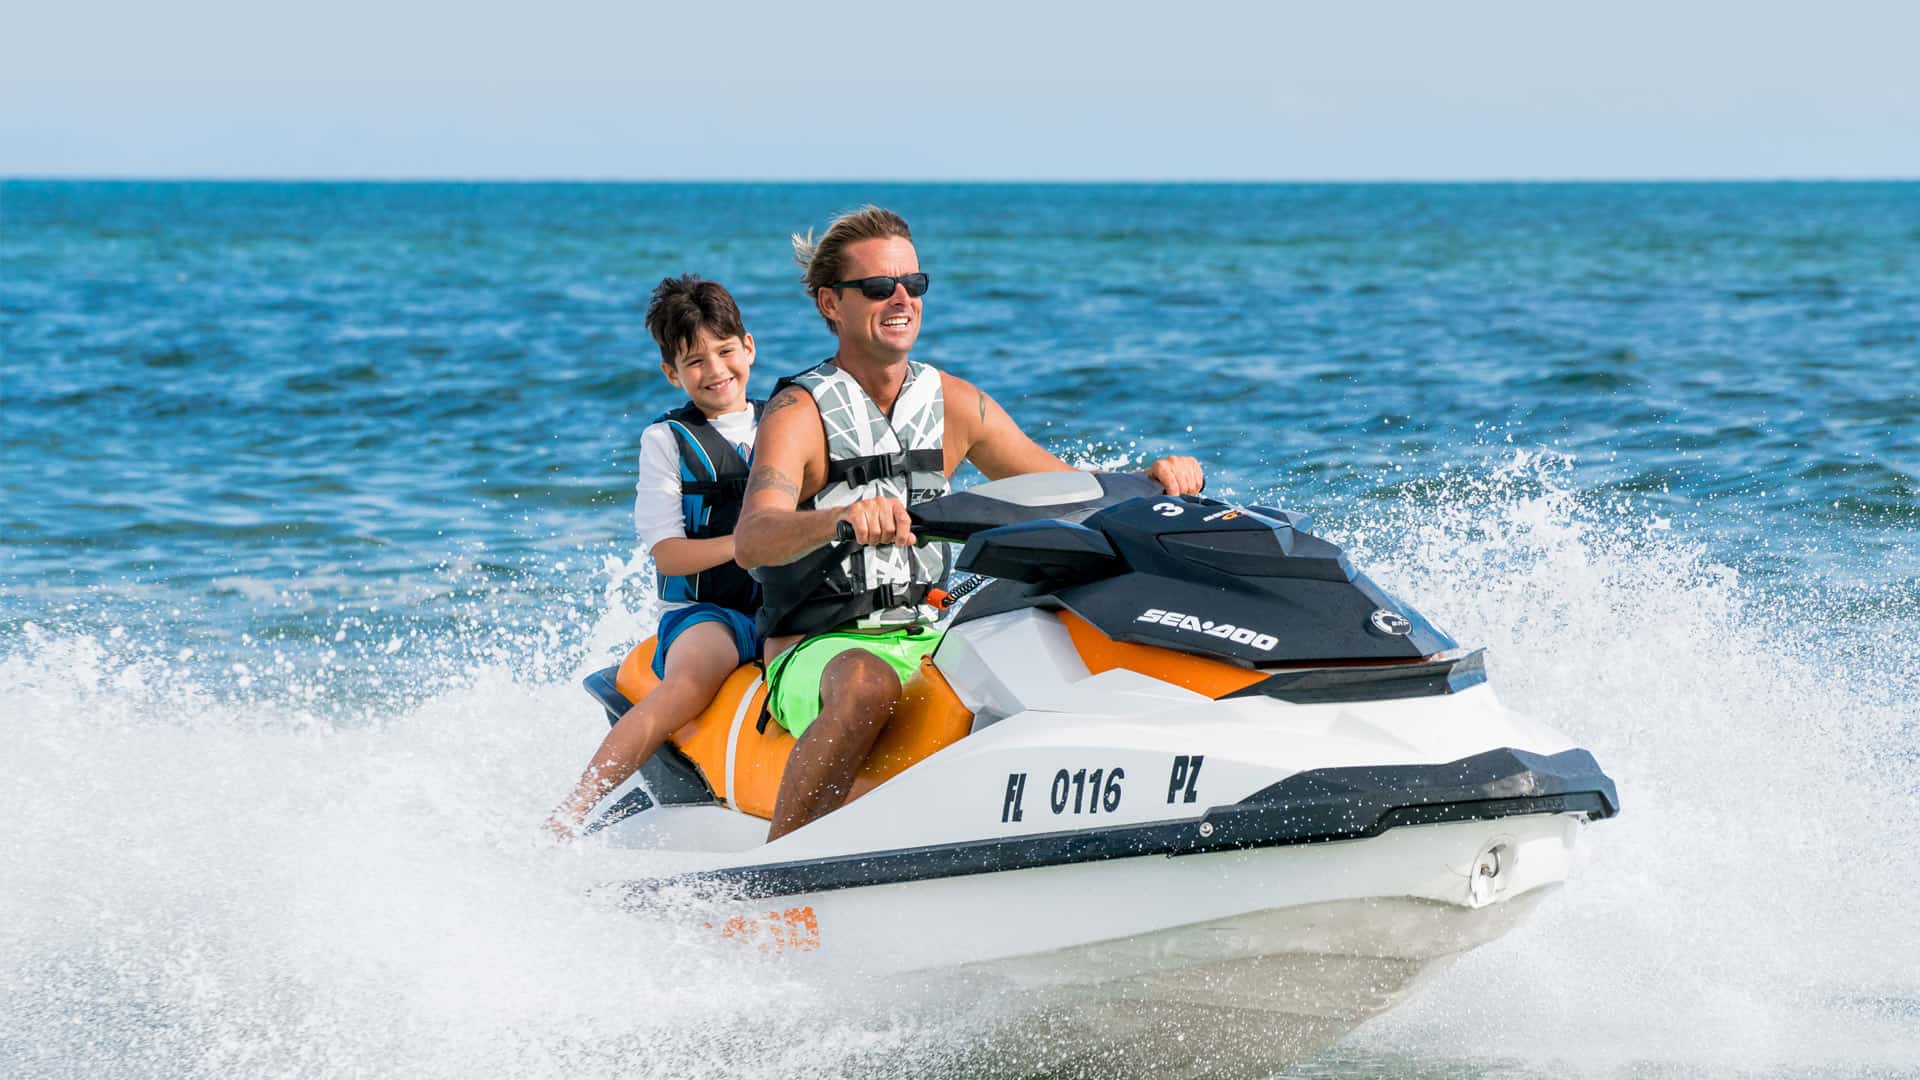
682	307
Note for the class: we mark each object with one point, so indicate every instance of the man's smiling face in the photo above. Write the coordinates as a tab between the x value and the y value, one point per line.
713	371
882	329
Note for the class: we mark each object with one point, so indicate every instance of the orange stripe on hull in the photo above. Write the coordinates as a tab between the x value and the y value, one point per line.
1214	678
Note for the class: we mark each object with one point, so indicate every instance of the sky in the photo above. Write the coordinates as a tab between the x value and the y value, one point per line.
921	90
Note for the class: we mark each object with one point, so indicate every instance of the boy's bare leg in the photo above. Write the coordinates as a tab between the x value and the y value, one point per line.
858	694
701	659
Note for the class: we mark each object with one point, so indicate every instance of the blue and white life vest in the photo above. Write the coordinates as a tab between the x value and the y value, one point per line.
713	480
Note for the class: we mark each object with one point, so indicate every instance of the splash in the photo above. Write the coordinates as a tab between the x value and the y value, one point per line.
209	877
224	872
1751	908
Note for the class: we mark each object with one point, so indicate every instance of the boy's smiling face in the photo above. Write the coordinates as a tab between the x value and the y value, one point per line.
713	371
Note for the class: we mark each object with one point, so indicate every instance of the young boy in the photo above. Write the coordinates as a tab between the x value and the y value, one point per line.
693	471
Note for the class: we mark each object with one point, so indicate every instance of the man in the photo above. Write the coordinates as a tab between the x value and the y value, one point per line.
858	439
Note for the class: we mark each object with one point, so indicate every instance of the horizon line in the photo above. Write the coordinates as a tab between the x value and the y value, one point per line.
247	178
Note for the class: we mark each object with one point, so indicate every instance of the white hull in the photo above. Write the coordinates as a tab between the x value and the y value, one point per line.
1115	874
1242	996
1222	964
1001	918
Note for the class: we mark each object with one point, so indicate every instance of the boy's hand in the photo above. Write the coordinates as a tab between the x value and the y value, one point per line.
879	521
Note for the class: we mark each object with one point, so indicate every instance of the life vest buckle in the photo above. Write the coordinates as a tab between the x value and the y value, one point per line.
860	472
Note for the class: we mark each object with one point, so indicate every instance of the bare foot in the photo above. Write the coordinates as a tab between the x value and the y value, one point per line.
562	830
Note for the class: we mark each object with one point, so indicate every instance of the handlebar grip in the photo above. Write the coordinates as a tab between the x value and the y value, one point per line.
843	530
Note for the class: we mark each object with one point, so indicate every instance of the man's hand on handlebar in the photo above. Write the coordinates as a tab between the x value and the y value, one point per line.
877	522
1178	475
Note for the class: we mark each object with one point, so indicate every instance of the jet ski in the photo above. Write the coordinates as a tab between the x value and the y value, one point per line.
1181	786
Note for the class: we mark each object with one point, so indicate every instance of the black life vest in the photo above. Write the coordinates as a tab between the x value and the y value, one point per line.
713	481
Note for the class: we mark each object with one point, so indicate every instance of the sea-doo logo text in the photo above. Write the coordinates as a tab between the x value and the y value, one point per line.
1239	635
1167	509
1391	623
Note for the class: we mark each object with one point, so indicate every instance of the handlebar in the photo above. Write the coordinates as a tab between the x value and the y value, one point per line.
958	515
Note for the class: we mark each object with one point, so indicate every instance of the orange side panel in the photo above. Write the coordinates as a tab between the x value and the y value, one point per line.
930	718
1214	678
636	672
704	738
758	762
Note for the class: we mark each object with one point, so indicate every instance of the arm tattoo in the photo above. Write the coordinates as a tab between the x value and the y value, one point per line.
790	396
983	407
768	478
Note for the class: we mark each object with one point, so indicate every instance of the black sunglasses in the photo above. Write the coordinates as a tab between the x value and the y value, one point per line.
879	288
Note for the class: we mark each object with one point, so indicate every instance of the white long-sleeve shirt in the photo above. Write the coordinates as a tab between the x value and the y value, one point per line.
656	496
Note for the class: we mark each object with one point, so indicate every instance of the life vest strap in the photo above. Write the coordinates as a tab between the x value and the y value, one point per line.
856	472
727	487
713	483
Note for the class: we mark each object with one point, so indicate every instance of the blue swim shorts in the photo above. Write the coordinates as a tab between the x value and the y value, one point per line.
675	622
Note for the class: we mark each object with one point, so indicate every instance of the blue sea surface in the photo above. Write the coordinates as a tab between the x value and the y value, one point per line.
273	400
315	501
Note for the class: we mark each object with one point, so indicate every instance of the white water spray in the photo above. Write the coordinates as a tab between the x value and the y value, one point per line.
206	877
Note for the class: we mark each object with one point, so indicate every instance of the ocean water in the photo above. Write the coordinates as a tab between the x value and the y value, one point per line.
314	505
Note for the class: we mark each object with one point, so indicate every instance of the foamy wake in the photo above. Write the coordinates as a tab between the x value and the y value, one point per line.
1752	908
206	880
208	877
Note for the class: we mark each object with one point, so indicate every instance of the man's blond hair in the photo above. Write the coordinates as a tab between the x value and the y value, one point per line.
821	263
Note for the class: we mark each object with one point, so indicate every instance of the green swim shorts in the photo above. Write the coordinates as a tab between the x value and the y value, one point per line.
794	676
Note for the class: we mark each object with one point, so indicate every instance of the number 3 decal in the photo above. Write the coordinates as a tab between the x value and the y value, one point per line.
1167	509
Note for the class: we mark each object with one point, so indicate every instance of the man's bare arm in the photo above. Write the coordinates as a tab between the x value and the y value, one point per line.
773	530
790	456
997	446
989	438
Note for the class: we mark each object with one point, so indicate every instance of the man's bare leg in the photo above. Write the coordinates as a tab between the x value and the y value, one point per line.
858	693
701	659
